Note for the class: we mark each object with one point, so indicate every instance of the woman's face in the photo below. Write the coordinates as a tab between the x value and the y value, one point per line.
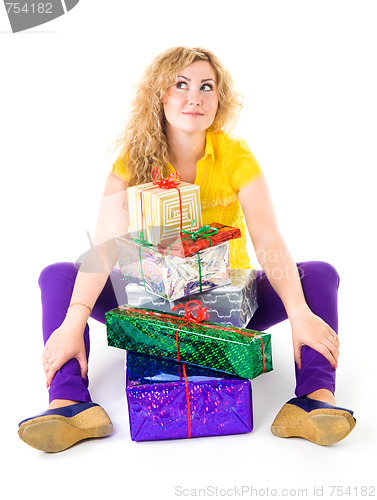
190	105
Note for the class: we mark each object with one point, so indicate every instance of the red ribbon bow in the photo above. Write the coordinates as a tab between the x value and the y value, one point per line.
190	316
169	182
195	313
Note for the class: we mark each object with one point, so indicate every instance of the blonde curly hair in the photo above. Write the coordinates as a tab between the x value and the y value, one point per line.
143	143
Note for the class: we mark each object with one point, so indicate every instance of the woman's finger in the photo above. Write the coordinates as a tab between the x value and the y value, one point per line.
83	365
329	351
47	369
333	336
333	345
297	354
53	367
46	362
334	340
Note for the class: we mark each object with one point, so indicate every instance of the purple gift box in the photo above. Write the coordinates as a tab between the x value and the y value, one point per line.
170	400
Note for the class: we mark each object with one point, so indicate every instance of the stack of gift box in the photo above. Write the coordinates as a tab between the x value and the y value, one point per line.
190	358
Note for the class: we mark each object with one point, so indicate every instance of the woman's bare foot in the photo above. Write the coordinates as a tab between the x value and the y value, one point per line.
323	395
59	403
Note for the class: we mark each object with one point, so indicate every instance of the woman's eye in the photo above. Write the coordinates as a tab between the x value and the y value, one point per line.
206	86
181	85
184	85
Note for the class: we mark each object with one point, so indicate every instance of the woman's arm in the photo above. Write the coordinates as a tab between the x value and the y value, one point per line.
67	342
274	257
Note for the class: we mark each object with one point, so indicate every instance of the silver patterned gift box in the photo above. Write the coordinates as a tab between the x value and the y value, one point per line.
169	276
232	304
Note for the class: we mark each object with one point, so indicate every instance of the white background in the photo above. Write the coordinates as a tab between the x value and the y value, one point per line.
307	70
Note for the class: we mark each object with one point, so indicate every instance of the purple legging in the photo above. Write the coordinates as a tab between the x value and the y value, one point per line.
319	280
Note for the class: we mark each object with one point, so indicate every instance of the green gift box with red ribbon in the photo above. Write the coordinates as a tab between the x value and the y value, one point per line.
190	339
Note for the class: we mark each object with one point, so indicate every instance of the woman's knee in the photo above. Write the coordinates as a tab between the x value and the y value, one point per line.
322	271
58	271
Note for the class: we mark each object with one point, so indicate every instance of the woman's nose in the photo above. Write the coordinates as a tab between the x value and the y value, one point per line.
195	98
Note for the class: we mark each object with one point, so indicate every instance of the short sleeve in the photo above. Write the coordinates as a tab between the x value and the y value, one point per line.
242	165
120	168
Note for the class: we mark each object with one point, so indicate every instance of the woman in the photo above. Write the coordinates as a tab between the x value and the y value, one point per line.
183	106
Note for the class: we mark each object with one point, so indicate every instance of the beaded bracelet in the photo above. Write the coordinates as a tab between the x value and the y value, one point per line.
80	304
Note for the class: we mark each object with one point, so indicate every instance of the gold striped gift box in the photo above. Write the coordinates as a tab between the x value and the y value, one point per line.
157	211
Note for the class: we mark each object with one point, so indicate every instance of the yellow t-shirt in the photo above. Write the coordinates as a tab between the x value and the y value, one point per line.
227	166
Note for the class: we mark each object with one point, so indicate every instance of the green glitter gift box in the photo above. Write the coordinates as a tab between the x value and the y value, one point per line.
238	351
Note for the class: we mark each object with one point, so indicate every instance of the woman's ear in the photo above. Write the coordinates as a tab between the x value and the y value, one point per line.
164	97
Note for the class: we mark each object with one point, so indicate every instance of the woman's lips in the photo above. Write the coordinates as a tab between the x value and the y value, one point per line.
190	113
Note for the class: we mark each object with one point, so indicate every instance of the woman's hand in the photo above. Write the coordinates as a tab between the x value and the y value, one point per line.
65	343
309	329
